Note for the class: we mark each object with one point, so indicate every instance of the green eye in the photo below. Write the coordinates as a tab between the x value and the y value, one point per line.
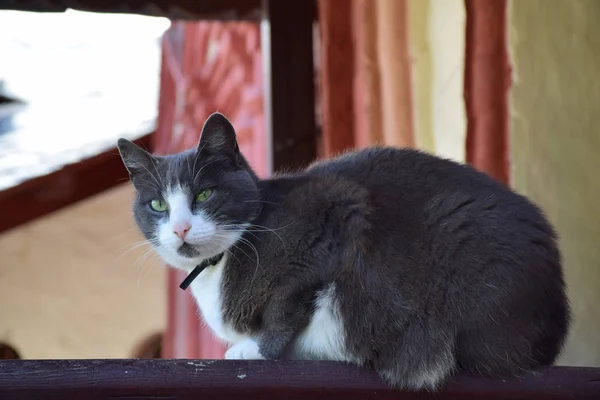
203	195
158	205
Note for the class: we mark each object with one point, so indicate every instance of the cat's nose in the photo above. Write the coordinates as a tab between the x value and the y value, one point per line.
181	229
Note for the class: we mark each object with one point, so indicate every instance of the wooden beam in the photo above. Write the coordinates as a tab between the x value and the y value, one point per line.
223	10
290	96
221	379
40	196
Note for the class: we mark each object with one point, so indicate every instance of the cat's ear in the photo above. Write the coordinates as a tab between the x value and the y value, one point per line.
218	135
135	158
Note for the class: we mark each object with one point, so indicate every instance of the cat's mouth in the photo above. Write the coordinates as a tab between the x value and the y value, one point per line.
187	250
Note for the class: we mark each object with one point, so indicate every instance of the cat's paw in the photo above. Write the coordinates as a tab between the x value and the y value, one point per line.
247	349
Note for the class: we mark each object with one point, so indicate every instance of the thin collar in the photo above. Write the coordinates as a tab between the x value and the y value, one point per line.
209	262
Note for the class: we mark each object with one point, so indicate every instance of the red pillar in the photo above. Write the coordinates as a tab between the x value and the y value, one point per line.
194	84
337	75
487	81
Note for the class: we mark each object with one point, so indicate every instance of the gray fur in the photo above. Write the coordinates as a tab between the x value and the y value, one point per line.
436	267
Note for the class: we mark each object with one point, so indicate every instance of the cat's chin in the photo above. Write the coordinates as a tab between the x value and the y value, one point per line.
182	261
188	254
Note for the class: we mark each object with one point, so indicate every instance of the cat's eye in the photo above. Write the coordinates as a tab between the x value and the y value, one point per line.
203	195
158	205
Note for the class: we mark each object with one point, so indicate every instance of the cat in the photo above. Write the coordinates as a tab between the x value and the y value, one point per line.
392	259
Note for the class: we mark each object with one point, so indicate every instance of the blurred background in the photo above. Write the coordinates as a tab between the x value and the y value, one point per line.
507	86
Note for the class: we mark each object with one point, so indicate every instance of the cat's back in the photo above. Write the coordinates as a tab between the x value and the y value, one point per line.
377	166
412	180
432	198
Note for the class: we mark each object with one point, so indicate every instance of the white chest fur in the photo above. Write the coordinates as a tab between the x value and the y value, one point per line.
206	289
323	338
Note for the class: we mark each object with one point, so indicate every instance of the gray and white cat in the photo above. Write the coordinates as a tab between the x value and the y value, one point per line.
391	259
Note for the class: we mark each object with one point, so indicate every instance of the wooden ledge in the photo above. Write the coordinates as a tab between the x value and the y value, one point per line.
220	379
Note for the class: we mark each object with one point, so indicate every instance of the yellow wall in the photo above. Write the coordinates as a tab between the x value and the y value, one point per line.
555	126
437	45
555	135
421	72
70	289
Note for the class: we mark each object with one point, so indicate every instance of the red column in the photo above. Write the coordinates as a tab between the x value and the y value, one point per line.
487	81
207	67
337	75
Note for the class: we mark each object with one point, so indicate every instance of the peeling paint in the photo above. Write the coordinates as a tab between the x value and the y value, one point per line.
197	364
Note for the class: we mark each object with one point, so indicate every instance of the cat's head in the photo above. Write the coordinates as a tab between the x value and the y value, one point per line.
195	204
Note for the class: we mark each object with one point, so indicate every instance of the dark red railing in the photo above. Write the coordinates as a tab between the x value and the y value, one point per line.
248	380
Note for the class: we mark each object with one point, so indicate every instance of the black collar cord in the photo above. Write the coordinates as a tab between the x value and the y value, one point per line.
209	262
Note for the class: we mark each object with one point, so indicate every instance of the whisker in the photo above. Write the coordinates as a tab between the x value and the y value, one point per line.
188	165
134	247
265	228
231	253
156	169
252	228
246	242
196	159
147	266
260	201
140	260
150	173
204	166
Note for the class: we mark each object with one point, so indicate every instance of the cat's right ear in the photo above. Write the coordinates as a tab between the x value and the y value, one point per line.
135	158
218	136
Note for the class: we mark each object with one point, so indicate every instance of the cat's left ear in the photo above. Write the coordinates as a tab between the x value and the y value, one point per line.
218	136
136	159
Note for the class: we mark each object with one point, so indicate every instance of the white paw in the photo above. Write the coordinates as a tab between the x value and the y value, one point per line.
246	349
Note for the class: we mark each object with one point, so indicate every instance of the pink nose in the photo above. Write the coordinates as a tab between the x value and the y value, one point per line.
181	229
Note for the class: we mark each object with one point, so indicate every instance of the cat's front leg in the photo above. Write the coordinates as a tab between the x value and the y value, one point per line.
246	349
284	317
